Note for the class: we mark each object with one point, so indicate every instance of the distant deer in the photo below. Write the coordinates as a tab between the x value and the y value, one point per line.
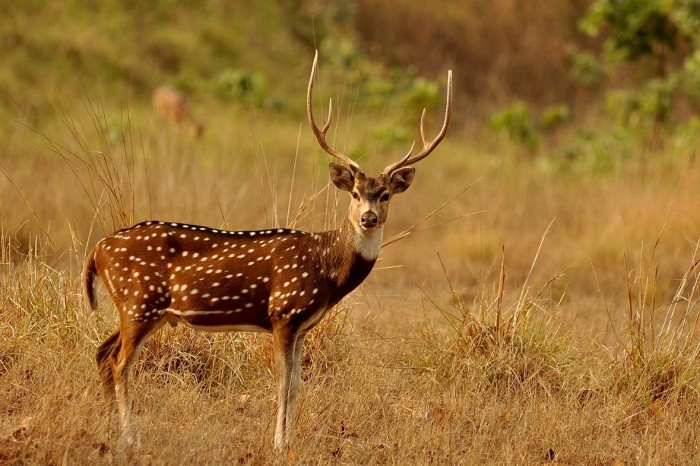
171	105
279	281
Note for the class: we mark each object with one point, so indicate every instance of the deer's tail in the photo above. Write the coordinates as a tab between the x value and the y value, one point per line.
89	275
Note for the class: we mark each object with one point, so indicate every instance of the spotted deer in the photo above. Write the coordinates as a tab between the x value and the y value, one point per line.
280	281
171	105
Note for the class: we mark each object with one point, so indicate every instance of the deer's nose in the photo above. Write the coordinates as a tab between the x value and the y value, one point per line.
369	219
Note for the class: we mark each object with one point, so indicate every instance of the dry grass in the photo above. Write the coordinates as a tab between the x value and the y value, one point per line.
557	324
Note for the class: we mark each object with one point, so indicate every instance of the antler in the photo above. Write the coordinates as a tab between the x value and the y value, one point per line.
321	133
428	147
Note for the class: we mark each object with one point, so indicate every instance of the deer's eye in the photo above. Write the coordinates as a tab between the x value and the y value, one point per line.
355	196
385	197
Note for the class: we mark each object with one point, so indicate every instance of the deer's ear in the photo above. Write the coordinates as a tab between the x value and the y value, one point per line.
401	179
342	177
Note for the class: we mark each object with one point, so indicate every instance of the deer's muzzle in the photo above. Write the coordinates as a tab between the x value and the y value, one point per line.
369	220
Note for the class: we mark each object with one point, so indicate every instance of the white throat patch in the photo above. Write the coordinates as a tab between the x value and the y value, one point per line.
368	242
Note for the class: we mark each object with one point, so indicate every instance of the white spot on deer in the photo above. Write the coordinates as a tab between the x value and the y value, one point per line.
185	253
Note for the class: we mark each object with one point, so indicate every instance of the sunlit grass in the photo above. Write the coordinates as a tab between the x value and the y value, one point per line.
537	316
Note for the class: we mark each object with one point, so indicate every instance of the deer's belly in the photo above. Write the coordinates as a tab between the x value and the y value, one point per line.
214	320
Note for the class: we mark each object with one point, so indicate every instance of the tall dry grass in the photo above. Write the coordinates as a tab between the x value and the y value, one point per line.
540	316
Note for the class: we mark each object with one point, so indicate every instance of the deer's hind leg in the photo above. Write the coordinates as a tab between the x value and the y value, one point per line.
125	351
104	367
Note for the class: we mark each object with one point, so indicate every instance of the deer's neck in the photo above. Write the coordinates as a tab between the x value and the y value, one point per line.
350	253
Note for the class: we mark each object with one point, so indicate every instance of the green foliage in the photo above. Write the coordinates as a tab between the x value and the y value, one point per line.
421	93
522	127
585	68
554	116
518	123
242	85
636	28
660	37
588	153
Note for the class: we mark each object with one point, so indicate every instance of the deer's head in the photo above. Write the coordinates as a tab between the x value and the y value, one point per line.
371	195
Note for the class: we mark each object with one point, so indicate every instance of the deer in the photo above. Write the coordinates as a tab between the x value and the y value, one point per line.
279	281
171	105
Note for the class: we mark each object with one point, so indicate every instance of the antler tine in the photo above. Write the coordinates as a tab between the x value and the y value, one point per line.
428	147
321	133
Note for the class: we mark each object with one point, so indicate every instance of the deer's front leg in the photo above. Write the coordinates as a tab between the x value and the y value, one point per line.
286	347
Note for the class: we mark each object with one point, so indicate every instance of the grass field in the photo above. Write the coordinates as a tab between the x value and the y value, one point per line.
536	310
539	316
